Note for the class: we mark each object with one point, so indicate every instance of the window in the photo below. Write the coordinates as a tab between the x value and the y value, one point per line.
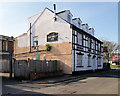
96	45
94	63
93	44
79	60
88	60
4	45
99	61
99	47
35	41
79	24
69	18
79	38
52	37
89	42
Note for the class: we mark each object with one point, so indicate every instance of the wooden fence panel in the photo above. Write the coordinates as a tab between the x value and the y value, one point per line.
22	68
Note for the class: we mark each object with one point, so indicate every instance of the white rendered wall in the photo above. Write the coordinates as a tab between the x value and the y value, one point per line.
22	40
44	26
85	62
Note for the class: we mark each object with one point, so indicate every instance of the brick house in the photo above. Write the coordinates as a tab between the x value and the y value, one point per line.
73	43
6	47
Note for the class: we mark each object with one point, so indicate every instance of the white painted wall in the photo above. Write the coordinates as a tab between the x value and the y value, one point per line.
43	27
85	62
22	40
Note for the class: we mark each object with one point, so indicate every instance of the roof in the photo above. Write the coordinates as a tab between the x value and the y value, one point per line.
62	19
75	27
22	34
61	12
3	37
76	18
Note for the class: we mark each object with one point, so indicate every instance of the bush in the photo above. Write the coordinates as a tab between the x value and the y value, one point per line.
48	47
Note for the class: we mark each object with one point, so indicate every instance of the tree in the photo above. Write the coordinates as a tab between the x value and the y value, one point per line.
112	48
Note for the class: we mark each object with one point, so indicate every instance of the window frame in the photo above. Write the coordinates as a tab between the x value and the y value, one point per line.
79	38
35	41
89	61
79	57
69	18
79	24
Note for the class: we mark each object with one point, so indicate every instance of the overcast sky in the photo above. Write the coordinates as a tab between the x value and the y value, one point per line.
102	16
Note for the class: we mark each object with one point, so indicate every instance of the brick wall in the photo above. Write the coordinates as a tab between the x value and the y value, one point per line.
59	51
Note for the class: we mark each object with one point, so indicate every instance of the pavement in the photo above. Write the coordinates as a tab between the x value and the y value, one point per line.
57	79
103	82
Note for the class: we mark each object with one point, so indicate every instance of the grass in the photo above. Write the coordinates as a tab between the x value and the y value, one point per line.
114	66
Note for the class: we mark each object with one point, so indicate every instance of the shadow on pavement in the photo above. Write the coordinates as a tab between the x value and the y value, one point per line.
112	73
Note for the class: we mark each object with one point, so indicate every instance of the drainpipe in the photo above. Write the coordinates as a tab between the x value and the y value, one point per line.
30	37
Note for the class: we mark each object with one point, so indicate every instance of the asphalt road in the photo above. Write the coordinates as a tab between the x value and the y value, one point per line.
105	82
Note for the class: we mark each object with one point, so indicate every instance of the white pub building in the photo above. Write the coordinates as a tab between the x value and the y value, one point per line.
73	43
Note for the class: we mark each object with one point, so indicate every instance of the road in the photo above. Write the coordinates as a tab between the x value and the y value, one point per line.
105	82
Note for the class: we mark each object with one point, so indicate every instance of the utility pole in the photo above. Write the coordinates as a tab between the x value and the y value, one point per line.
10	63
30	37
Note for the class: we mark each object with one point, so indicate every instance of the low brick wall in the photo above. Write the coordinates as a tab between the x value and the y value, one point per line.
34	76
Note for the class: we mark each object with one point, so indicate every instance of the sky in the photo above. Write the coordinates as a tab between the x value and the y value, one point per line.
102	16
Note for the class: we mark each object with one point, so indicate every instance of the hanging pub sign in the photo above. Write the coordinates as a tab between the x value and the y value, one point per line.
52	37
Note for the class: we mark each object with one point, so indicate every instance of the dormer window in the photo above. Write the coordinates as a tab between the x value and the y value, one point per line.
69	18
79	24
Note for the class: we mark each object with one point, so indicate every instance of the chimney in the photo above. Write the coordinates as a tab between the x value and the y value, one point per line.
54	11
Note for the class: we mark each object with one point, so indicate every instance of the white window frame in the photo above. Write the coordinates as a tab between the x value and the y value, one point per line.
79	60
35	41
94	44
79	39
88	42
89	60
99	61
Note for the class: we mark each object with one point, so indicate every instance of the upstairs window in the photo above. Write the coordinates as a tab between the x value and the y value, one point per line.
89	42
4	45
79	24
35	41
52	37
69	18
79	39
93	44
